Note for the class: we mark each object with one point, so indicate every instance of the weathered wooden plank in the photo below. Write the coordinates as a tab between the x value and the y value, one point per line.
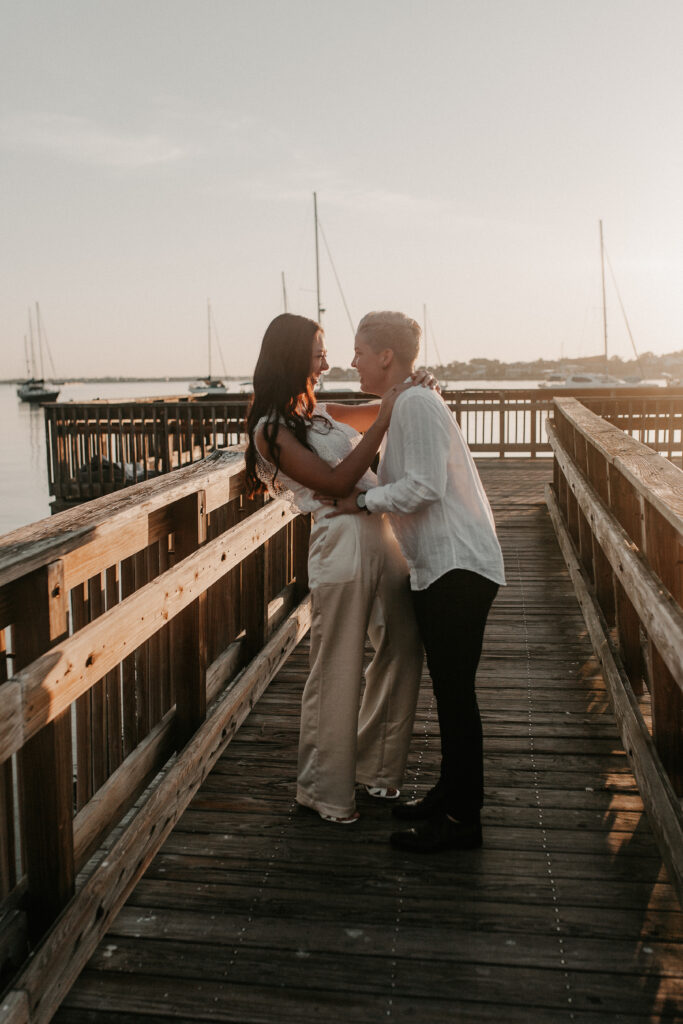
14	1008
346	980
190	1001
460	942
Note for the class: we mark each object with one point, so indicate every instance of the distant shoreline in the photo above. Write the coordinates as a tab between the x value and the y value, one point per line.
648	367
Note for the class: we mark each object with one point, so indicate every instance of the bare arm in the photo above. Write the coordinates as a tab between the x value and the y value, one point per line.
307	468
362	416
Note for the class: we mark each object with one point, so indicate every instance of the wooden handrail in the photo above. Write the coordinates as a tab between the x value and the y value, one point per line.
123	621
618	511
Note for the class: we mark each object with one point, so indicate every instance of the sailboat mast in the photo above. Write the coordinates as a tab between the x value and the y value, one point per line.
317	257
39	330
424	321
604	299
33	351
284	291
208	323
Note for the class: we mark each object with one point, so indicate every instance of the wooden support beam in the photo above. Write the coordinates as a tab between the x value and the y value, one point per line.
302	535
603	579
664	549
255	585
190	627
624	506
46	763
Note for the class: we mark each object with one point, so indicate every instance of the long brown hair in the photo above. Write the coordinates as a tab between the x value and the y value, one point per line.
283	391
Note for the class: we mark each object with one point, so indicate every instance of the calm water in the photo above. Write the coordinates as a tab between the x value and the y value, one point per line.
23	465
23	457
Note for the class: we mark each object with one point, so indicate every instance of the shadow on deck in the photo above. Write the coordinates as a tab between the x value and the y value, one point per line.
255	910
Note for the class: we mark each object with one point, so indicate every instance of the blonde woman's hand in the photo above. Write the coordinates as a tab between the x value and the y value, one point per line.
340	506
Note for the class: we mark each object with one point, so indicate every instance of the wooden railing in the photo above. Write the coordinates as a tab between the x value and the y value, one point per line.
617	507
122	621
100	447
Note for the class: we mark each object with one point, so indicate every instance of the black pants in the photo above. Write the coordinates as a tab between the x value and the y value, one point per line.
451	616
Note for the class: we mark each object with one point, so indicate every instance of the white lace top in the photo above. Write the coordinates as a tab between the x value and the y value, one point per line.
329	439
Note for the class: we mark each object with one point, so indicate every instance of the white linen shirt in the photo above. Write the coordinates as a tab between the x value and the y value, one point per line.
430	487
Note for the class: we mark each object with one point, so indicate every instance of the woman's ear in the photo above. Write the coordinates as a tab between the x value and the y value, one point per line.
387	357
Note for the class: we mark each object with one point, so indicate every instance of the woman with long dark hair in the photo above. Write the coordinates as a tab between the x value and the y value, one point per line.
357	575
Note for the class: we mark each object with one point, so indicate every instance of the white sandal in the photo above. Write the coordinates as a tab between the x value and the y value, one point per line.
383	793
340	821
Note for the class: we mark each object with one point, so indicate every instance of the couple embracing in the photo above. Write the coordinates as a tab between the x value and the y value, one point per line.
408	558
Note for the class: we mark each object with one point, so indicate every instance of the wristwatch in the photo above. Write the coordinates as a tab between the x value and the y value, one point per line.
360	501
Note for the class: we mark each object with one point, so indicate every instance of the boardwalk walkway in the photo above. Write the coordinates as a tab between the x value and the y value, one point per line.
256	911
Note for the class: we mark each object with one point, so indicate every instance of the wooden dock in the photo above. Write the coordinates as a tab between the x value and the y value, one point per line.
254	910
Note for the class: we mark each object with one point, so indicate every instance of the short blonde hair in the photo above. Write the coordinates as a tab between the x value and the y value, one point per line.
392	330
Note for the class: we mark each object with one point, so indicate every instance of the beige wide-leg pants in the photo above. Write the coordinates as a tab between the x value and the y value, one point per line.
359	586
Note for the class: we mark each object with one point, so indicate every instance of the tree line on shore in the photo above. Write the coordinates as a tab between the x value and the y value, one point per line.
647	366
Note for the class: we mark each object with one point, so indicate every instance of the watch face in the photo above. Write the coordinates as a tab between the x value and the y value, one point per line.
360	500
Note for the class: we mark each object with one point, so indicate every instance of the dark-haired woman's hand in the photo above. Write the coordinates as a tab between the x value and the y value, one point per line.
424	379
388	399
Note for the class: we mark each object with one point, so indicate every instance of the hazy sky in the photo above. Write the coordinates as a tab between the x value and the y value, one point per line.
158	153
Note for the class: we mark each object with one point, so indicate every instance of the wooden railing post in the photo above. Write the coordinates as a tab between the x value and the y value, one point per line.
603	577
190	627
665	555
572	504
501	425
626	510
585	532
47	788
255	585
302	535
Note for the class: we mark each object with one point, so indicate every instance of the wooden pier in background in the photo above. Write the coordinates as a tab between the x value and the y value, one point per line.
98	447
152	709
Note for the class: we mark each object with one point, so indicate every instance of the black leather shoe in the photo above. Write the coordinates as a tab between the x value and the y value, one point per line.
439	833
420	810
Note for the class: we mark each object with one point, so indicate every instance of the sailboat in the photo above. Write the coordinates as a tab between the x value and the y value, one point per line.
36	389
583	379
209	386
